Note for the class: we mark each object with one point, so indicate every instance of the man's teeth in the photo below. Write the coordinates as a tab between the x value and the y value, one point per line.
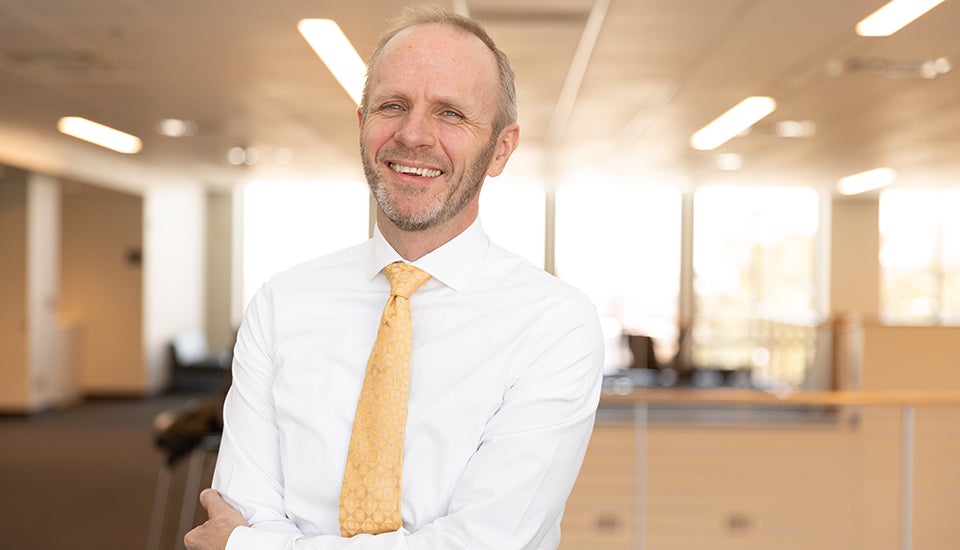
426	172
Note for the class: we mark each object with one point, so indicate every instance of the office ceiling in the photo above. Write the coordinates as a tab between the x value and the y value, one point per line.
609	90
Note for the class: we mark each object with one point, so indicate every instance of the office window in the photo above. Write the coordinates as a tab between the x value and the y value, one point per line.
513	215
289	222
620	245
754	251
920	256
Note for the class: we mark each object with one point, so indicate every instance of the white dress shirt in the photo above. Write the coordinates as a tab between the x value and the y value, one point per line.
504	386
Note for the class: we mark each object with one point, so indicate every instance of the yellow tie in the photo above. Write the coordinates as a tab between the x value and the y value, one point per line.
370	495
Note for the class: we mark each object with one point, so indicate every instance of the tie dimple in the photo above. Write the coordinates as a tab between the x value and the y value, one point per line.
404	279
370	494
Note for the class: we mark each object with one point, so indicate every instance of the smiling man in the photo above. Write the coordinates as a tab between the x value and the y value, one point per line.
466	425
432	126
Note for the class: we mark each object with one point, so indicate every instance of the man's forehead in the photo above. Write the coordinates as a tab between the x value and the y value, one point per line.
428	37
453	58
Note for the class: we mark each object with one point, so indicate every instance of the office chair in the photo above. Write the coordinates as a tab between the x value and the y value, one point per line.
193	430
194	367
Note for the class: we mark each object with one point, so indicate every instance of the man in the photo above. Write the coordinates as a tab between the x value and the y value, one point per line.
504	372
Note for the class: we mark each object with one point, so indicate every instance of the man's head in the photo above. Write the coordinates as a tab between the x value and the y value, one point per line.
438	116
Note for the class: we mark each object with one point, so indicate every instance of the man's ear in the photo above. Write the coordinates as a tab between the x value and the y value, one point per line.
506	144
360	118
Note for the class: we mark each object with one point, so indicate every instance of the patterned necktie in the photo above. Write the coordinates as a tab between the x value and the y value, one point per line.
370	495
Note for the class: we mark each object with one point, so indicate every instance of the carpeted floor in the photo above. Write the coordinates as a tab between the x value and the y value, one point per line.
85	478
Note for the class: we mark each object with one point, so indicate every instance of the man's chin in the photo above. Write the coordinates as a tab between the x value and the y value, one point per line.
409	224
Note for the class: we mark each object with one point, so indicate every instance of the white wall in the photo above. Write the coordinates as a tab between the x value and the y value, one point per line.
101	286
219	265
37	366
51	361
854	262
173	272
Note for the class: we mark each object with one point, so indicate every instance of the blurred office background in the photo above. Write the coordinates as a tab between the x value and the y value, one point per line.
749	266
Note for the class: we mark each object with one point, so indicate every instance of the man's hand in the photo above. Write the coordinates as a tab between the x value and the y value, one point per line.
213	534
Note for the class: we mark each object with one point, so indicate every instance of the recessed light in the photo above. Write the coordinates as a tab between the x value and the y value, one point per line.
175	127
729	162
794	128
243	156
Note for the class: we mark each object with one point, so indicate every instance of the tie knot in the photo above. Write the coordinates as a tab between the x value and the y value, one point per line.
404	279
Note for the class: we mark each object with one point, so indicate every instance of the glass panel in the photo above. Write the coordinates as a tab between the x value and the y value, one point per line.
909	296
950	257
908	229
620	244
754	281
949	203
950	298
288	222
909	258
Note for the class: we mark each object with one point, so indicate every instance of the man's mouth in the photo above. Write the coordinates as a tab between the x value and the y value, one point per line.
414	170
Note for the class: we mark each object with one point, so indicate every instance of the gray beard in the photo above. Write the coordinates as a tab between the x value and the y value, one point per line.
445	207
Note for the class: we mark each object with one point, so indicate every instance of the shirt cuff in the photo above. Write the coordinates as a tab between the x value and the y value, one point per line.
248	538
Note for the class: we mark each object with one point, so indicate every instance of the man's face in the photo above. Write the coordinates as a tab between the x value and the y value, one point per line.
427	139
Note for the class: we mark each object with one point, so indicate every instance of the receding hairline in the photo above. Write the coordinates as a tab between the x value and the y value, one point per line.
397	41
419	16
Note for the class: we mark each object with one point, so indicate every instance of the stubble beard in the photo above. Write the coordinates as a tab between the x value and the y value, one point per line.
443	208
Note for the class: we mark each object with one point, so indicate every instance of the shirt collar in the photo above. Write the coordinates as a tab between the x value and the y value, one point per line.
451	264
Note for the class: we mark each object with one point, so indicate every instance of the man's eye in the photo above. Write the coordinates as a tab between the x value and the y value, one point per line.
391	107
452	114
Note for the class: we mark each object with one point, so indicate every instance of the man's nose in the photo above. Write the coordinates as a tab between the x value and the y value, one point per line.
418	129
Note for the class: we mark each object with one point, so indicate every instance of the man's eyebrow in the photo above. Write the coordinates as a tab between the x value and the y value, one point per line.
450	104
389	94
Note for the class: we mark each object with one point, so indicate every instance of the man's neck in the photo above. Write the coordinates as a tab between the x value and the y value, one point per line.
413	245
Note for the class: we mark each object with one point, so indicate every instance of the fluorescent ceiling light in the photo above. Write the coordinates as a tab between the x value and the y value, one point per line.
866	181
894	16
337	53
98	134
740	117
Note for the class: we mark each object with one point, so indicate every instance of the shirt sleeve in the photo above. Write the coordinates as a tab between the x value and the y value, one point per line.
511	494
248	472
